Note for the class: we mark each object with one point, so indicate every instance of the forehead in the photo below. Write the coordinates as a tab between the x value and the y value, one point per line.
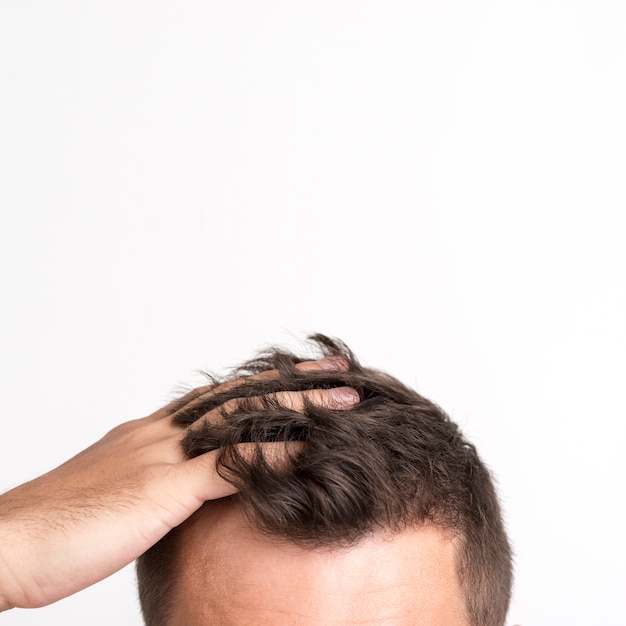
229	574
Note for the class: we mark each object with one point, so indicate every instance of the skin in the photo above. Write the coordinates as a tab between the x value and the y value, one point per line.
104	507
230	575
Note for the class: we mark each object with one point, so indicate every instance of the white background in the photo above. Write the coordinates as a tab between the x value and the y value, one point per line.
438	183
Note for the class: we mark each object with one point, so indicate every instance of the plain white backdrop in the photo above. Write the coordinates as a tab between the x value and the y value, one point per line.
439	183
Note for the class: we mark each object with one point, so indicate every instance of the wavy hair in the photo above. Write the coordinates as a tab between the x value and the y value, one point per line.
393	461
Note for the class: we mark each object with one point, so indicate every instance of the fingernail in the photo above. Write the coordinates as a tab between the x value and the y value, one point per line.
344	395
336	363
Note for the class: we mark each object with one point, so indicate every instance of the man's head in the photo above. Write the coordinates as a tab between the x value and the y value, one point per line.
383	513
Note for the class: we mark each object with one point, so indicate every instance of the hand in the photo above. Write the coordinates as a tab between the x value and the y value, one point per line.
106	506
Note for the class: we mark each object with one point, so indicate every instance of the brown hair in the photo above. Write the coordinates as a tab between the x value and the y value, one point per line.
393	461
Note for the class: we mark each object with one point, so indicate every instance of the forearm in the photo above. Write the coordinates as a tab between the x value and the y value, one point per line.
24	523
8	588
107	505
5	605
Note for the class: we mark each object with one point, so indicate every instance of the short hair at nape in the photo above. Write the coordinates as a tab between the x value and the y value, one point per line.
393	461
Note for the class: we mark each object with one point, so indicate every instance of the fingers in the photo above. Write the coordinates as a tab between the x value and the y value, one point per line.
338	398
203	480
331	363
279	455
200	395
